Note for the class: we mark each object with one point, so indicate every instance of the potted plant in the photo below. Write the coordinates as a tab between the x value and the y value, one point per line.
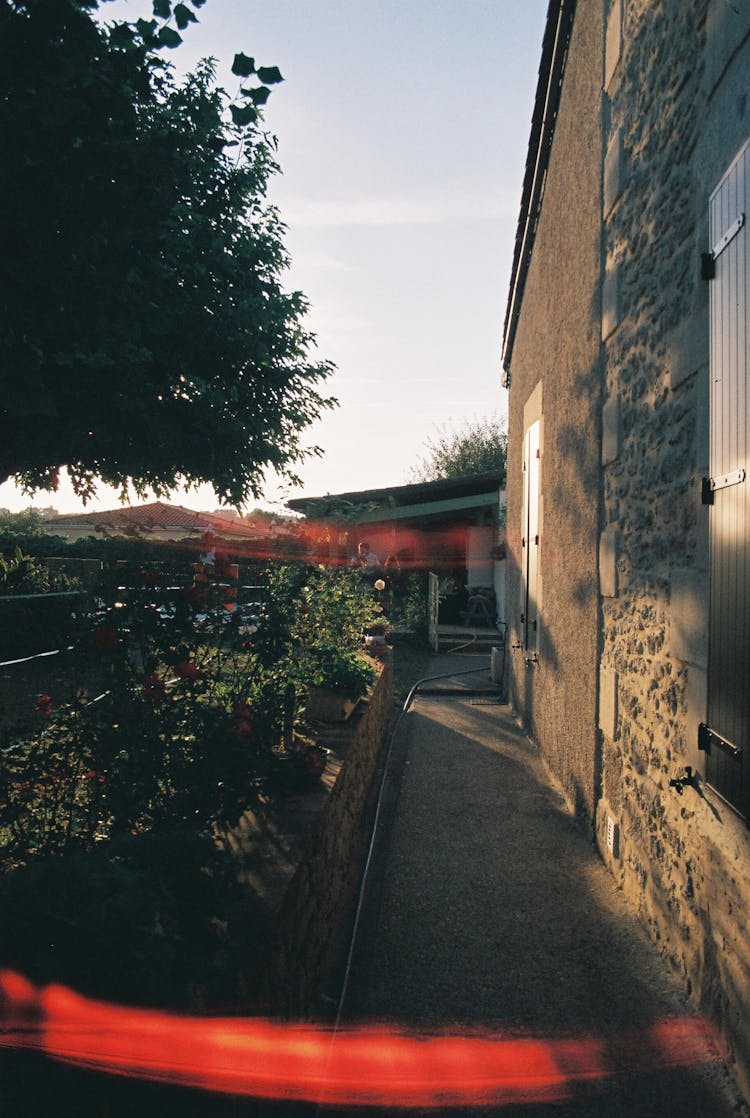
379	626
337	681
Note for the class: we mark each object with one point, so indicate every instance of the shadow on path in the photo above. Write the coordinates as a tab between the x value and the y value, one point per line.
487	908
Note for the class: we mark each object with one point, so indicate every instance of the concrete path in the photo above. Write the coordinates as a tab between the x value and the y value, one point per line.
486	907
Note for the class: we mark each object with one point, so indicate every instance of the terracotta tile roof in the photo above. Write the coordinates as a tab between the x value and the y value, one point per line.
159	515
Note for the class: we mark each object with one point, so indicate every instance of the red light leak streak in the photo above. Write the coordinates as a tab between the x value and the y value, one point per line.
363	1066
330	543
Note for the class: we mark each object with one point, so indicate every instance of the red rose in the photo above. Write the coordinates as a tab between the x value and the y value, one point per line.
43	705
186	669
243	714
153	687
195	593
315	762
106	638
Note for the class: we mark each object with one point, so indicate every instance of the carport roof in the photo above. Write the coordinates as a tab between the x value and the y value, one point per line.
397	502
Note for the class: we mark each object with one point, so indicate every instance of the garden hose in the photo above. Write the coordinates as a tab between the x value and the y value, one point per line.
373	832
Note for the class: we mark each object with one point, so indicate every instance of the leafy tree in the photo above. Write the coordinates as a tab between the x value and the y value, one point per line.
26	523
472	448
145	336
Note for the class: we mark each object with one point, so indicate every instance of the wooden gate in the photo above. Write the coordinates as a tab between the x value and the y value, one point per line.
433	604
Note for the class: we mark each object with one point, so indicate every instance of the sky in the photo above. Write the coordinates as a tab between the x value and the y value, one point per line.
402	129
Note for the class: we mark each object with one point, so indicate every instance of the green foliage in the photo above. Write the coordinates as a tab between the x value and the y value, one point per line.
110	880
182	733
20	524
145	335
41	623
23	575
136	921
313	624
345	673
336	606
197	701
472	448
414	604
334	609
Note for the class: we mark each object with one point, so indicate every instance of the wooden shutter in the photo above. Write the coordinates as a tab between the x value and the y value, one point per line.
725	736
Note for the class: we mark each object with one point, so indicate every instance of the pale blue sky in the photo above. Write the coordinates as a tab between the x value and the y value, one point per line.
402	128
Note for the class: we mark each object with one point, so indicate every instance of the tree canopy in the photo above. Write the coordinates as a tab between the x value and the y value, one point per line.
472	448
145	335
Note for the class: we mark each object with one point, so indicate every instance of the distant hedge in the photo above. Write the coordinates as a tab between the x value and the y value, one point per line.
36	624
106	548
114	548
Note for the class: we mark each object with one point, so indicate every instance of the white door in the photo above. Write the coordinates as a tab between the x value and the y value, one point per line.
530	540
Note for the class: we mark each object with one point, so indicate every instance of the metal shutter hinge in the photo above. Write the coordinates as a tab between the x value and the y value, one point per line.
708	259
709	485
708	737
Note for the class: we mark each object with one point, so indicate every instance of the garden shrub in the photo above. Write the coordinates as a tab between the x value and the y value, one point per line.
30	621
36	625
197	703
111	881
414	604
333	611
139	920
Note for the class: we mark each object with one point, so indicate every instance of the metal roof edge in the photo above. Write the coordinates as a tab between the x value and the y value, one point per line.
398	495
429	508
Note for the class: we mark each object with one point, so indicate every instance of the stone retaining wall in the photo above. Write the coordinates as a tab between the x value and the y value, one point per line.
309	941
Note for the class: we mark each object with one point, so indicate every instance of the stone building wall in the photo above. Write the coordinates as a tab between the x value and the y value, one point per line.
676	112
556	377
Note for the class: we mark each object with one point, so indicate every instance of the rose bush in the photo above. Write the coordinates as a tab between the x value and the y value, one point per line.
198	701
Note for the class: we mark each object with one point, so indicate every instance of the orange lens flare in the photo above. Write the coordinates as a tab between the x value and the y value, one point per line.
365	1066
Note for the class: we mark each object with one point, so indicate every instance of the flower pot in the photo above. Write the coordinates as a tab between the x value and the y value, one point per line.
328	706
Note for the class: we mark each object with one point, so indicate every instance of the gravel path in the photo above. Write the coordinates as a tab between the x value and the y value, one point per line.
487	908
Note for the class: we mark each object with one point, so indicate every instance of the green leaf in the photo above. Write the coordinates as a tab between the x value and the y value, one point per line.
197	3
146	28
258	96
244	114
168	37
184	16
269	75
121	35
162	9
243	66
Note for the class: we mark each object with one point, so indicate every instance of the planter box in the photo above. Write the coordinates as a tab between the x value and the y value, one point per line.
328	706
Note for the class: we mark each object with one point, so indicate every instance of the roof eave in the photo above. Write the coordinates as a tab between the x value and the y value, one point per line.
544	117
400	495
